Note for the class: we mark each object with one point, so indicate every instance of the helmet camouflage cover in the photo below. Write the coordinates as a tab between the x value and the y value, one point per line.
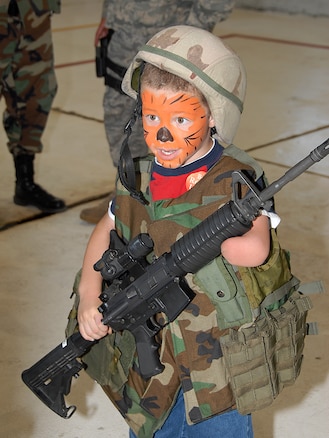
203	60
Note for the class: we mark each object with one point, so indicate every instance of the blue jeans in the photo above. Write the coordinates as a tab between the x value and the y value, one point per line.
228	425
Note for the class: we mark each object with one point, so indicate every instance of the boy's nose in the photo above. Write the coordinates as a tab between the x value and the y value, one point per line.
164	135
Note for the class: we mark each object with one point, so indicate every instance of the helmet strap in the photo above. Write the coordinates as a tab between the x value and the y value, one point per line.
126	166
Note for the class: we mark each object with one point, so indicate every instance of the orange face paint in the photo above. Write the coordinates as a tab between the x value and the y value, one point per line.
176	126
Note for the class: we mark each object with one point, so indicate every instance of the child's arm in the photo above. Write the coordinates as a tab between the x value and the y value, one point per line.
252	248
90	287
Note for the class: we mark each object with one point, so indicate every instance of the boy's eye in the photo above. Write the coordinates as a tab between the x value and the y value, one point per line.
182	121
151	117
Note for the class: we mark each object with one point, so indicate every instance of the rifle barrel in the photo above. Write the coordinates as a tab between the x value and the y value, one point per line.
315	156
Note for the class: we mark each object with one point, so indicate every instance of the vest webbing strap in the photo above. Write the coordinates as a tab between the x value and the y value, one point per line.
279	293
315	287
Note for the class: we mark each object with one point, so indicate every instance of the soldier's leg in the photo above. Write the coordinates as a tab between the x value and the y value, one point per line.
118	109
29	90
31	87
9	35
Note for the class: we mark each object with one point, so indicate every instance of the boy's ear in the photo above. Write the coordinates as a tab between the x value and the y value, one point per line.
211	121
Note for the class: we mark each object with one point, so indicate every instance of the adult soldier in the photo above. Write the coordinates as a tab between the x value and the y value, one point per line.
133	23
28	85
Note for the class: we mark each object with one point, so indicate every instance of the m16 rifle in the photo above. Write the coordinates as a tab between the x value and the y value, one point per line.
137	291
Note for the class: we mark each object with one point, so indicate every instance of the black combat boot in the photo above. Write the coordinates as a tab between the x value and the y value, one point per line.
29	193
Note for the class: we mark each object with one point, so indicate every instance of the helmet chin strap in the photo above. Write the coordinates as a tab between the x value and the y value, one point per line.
126	167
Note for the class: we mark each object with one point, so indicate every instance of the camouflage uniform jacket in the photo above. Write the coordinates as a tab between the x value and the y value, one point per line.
135	22
190	347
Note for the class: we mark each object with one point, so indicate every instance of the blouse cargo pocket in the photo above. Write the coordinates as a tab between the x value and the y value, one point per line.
266	356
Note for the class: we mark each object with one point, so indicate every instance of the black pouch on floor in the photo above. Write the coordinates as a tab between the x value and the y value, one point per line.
265	356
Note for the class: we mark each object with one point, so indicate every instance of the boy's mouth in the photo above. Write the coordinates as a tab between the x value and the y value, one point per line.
168	152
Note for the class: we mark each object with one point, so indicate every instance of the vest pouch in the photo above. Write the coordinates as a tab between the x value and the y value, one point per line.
219	281
291	329
266	356
249	355
106	362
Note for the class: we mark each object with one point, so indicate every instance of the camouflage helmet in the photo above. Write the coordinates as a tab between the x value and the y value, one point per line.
203	60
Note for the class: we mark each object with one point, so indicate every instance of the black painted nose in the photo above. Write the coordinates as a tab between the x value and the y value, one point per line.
164	135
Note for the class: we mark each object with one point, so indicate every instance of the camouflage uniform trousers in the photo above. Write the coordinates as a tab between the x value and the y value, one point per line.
118	107
28	81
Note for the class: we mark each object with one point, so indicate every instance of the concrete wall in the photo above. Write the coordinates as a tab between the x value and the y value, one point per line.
307	7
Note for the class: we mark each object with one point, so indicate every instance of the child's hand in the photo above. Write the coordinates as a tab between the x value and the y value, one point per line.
90	320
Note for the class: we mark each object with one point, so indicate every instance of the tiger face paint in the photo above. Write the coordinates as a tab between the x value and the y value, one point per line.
176	126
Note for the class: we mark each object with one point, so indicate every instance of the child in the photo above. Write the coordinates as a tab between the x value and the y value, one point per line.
191	87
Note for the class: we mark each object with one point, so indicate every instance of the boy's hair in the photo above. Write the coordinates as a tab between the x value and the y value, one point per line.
158	79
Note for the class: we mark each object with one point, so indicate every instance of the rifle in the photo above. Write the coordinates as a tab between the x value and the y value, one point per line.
137	290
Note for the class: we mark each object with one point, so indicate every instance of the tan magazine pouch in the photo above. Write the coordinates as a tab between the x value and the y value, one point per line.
265	356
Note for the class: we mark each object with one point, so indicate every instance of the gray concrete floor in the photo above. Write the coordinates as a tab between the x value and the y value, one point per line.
286	116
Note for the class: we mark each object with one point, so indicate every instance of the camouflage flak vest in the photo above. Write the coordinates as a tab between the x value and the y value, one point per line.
196	348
